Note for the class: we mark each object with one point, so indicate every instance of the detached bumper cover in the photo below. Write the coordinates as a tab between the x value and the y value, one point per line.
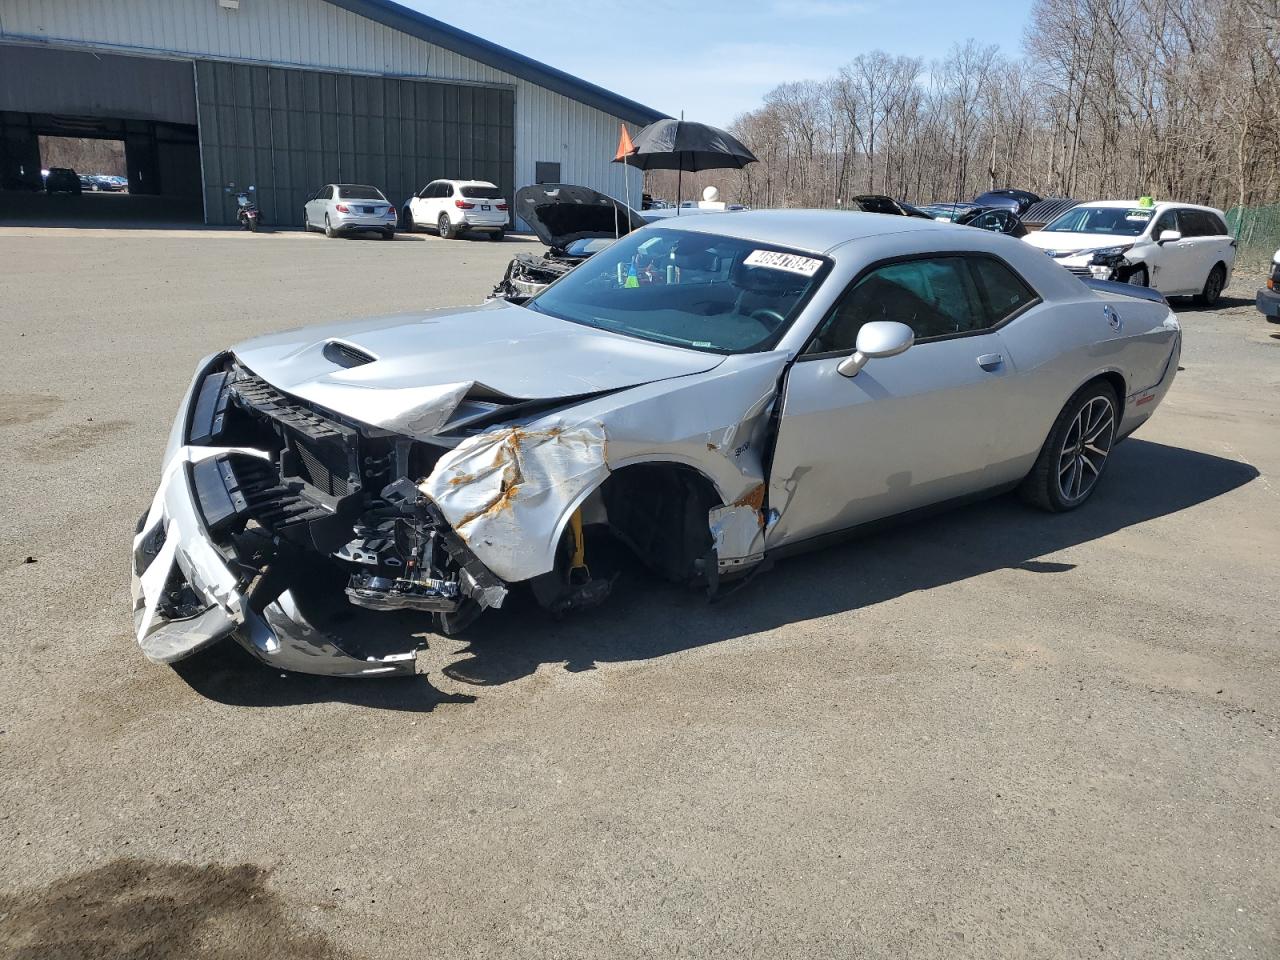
185	594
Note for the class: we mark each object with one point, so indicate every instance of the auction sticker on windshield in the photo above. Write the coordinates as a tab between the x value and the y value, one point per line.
791	262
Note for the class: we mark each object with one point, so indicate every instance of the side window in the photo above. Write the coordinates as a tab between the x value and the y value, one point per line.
1004	290
327	192
1168	221
1189	224
1219	228
935	297
1201	224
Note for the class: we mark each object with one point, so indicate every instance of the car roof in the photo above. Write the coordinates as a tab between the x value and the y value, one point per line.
815	230
466	183
1160	205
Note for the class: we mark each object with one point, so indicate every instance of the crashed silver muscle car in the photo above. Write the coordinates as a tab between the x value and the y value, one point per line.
711	392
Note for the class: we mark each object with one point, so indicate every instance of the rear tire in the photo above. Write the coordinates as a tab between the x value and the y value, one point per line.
498	236
445	226
306	223
1074	456
328	228
406	221
1213	286
388	234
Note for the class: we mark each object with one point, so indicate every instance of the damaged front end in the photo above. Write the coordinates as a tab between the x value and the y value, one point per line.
528	275
306	532
266	501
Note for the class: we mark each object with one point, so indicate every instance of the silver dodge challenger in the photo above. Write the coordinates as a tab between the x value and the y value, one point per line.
711	393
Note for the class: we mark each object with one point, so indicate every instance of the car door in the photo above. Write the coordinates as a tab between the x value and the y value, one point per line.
1208	243
319	205
420	206
906	431
309	207
1171	260
433	204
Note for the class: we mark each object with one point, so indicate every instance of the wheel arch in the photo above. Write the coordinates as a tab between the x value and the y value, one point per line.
668	540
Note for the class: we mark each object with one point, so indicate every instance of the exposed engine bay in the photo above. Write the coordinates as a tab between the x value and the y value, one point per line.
574	222
528	275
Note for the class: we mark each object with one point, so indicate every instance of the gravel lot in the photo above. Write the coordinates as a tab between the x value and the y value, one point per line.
994	734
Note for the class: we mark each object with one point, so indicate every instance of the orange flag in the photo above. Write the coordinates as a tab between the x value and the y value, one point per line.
625	146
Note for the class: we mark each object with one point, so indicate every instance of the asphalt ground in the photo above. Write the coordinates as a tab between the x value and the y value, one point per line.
993	734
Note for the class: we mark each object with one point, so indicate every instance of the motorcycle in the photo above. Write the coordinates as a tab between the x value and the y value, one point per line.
247	210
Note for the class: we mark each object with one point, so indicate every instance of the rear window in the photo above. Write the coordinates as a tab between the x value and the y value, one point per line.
357	191
481	193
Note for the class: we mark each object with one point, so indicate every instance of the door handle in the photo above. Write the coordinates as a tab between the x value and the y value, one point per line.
991	361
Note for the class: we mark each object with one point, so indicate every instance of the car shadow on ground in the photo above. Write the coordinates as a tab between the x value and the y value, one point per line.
1225	302
644	618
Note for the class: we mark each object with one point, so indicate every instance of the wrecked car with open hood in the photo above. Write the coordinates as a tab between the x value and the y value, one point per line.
574	222
710	393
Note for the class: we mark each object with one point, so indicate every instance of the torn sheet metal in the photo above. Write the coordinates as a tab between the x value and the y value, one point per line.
413	411
507	492
737	529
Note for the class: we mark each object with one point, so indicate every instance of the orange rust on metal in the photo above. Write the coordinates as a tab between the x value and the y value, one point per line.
462	479
711	446
512	475
753	498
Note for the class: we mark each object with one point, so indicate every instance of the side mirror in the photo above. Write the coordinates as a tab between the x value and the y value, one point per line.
879	338
1170	236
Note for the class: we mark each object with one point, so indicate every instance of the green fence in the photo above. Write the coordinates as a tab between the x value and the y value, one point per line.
1257	231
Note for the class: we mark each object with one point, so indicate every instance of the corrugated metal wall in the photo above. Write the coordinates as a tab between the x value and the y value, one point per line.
33	80
289	132
316	34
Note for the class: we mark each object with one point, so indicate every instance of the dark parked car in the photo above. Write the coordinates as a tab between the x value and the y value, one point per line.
62	180
948	211
1019	201
879	203
995	219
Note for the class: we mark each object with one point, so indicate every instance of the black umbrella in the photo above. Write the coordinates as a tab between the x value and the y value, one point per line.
684	145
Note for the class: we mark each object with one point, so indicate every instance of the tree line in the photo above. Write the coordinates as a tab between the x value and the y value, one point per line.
1179	99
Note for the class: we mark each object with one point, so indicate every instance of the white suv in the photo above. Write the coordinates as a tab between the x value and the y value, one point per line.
453	206
1179	249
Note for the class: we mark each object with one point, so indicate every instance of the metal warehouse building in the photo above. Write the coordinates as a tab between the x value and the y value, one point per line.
291	94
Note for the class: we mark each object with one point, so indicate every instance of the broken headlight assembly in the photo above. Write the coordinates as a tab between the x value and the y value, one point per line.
1110	263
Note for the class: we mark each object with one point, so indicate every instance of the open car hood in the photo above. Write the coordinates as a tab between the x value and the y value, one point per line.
560	213
410	373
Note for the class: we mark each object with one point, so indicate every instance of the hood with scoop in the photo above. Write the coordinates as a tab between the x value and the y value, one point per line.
410	373
561	213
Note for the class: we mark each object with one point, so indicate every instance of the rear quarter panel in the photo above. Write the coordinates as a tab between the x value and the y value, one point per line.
1063	344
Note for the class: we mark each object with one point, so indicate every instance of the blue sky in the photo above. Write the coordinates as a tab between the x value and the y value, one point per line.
715	59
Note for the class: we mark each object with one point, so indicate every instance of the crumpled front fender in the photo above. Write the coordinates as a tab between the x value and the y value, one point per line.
509	493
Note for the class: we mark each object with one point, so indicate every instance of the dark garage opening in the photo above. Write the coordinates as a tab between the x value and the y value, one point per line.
144	109
160	161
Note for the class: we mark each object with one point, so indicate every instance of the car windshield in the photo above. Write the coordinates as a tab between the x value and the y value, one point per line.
1118	221
356	191
698	290
481	193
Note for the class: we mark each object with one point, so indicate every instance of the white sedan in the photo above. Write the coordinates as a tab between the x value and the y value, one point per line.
1180	249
